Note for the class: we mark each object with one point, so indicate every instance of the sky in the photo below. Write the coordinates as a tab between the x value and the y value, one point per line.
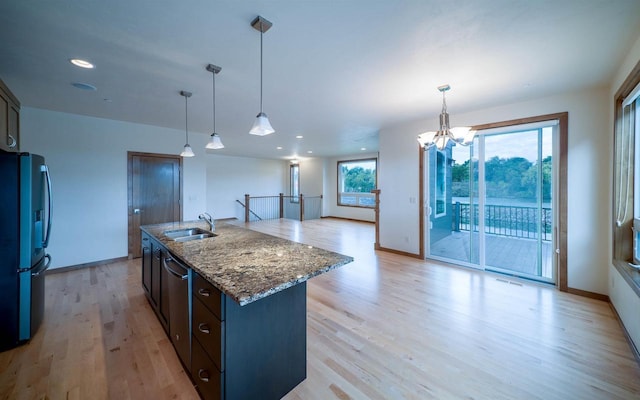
507	145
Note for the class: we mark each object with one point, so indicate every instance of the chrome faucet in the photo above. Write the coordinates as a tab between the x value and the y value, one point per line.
209	220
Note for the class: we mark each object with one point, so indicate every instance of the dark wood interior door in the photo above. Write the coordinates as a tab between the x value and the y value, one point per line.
154	193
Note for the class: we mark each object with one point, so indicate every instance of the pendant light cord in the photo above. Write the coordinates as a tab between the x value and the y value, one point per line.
186	119
214	102
261	33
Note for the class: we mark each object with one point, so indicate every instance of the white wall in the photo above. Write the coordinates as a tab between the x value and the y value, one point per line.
331	207
588	173
312	176
230	178
88	162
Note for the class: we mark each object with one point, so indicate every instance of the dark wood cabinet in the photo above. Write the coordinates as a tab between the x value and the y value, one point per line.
208	380
155	279
263	342
255	351
156	267
146	264
9	120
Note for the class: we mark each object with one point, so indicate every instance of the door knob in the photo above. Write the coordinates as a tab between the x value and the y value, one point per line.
136	211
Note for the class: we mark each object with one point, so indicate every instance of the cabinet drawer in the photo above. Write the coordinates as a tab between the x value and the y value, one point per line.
210	333
208	380
209	295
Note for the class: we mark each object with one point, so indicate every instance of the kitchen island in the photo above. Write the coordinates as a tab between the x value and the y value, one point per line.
234	305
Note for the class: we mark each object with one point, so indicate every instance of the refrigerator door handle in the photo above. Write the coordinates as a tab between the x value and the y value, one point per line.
45	266
45	169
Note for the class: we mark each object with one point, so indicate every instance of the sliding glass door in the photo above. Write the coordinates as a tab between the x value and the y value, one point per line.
490	205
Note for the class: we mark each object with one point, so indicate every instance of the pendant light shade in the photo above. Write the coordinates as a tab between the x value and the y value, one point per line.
261	126
461	135
187	151
215	143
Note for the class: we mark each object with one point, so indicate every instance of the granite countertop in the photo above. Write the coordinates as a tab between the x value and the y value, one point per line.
247	265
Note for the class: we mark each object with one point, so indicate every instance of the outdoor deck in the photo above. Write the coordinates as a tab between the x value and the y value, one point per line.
503	252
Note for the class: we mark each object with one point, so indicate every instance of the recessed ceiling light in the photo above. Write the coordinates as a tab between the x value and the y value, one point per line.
363	148
84	86
81	63
299	137
309	151
279	148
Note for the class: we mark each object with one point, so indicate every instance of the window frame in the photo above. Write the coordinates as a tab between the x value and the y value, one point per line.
622	245
622	238
440	172
357	194
294	187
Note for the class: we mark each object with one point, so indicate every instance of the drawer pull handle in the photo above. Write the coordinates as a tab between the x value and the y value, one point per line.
204	292
203	375
204	328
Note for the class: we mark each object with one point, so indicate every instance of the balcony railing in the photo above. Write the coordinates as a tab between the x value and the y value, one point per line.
512	221
257	208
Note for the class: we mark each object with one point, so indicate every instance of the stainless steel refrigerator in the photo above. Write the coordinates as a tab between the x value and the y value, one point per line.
25	228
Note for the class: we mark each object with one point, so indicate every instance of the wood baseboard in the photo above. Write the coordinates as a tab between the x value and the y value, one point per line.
399	252
349	219
632	345
85	265
591	295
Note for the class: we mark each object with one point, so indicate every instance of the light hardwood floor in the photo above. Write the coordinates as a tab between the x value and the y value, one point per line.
382	327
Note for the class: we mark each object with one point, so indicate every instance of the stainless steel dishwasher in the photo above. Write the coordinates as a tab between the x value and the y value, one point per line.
179	323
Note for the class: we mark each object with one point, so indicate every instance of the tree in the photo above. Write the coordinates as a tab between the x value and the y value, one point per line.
514	177
530	178
358	180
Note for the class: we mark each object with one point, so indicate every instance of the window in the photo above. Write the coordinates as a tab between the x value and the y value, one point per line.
294	182
626	203
356	180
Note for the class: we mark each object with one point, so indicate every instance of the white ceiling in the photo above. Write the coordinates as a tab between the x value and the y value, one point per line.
334	71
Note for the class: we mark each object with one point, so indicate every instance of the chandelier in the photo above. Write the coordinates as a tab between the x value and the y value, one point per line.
461	135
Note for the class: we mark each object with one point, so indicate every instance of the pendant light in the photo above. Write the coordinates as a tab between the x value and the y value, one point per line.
261	126
461	135
187	151
215	142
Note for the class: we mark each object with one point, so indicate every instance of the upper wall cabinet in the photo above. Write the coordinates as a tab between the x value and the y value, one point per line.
9	120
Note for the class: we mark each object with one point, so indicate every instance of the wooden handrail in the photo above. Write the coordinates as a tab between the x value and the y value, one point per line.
247	212
376	245
280	210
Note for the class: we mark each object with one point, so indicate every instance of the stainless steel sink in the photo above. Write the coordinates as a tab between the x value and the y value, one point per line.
183	235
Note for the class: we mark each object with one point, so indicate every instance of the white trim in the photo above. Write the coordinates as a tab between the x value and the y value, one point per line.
518	128
635	93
